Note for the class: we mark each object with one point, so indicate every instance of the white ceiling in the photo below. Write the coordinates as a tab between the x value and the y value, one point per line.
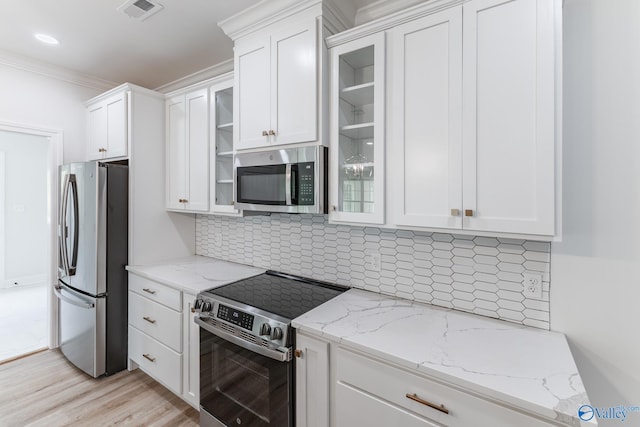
99	42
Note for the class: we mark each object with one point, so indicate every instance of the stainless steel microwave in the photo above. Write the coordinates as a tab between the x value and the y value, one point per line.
291	180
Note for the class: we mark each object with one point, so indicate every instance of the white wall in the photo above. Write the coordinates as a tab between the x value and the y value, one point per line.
34	99
25	197
595	271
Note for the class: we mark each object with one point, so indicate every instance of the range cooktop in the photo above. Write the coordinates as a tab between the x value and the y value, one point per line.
285	295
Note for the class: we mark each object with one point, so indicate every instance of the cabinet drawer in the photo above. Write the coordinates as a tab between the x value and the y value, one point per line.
155	291
156	359
156	320
382	389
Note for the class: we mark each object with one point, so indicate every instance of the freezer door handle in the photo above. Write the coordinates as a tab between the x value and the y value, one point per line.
76	302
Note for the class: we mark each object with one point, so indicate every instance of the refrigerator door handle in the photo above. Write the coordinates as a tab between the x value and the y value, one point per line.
63	230
78	303
76	226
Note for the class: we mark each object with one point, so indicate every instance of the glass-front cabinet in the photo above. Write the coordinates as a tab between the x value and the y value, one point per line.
357	131
221	150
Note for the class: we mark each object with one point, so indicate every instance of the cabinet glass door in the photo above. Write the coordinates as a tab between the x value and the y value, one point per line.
222	149
357	131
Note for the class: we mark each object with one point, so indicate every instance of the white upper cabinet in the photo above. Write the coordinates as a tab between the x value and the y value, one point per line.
509	116
252	106
187	118
280	91
108	126
221	149
356	168
426	120
472	118
276	85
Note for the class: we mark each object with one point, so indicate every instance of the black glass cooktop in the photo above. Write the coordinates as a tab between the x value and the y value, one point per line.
284	295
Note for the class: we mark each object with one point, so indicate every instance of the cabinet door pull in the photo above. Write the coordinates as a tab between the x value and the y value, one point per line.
297	353
150	291
415	397
146	356
148	319
455	212
468	212
265	133
271	132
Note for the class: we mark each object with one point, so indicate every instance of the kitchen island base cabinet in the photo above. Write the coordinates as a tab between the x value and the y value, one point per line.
163	338
373	393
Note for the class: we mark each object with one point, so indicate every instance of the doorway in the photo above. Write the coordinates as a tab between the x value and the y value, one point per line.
29	158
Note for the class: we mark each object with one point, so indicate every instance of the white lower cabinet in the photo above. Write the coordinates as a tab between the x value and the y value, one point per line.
312	382
338	387
163	339
191	371
156	359
373	393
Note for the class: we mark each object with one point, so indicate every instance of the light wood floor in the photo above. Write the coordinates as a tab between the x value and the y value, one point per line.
44	389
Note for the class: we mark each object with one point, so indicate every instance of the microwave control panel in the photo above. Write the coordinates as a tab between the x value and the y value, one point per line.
306	183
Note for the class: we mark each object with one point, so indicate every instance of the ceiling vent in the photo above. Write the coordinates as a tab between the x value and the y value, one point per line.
140	9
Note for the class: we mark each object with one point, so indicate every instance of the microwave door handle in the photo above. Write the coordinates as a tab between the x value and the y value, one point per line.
76	226
287	184
294	185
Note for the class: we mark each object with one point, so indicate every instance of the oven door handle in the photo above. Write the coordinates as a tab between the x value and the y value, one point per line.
272	354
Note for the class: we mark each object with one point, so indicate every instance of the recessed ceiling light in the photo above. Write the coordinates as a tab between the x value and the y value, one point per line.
46	38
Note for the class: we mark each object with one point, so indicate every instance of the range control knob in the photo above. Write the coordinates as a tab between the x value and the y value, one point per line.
198	304
206	306
265	329
276	334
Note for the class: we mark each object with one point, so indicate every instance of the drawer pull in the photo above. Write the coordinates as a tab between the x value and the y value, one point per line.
297	353
150	291
148	319
146	356
415	397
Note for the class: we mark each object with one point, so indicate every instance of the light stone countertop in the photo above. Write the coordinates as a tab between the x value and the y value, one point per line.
524	367
195	274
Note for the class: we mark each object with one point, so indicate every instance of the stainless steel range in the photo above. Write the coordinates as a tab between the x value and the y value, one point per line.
246	343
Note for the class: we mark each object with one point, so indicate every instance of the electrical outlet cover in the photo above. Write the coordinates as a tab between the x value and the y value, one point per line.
532	285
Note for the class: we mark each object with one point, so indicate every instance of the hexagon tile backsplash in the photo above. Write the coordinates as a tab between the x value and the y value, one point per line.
481	275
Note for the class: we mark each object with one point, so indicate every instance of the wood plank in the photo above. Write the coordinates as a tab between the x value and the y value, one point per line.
44	389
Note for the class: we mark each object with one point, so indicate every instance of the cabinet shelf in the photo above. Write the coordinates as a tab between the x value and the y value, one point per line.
224	181
228	127
224	153
361	94
358	131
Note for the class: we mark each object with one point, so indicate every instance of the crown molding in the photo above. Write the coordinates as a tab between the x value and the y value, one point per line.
226	77
423	8
383	8
197	77
263	14
66	75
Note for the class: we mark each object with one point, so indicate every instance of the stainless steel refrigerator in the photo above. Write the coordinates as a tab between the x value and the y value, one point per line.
92	281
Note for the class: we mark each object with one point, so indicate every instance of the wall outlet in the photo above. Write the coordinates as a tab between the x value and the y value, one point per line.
532	283
373	261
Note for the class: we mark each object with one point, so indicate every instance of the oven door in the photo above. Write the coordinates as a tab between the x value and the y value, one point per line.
239	387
